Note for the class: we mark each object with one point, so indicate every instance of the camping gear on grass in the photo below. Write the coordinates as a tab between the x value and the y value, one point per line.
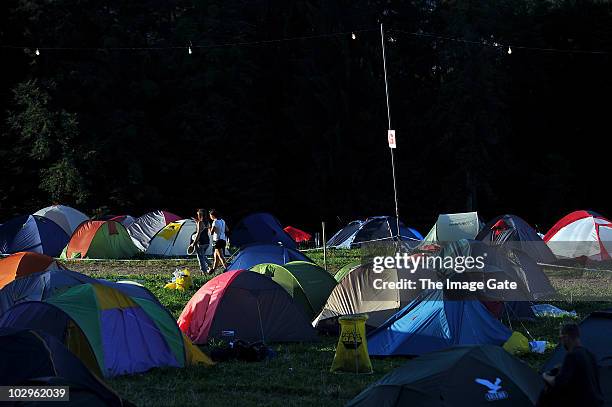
181	280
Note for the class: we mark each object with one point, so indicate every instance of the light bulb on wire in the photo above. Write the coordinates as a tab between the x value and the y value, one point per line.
353	36
509	50
37	52
189	50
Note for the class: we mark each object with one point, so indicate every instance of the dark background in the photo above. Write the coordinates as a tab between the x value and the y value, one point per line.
298	128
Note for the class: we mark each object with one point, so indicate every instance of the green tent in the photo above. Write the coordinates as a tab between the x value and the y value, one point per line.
100	240
461	376
340	274
307	283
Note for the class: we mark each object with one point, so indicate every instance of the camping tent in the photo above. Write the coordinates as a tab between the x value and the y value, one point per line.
255	254
356	293
145	227
581	234
97	239
32	233
43	285
512	231
174	239
29	354
595	334
454	226
297	235
373	229
250	305
24	263
66	217
460	376
431	322
110	332
125	220
308	284
260	228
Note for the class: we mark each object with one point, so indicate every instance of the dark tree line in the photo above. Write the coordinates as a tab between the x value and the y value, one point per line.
298	128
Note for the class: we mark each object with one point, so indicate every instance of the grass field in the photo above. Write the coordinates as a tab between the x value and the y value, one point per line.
299	374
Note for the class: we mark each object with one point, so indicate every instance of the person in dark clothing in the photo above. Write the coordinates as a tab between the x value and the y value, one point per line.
576	382
200	241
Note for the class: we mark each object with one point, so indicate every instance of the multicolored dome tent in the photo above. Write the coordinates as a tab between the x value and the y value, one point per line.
146	226
174	239
431	323
256	254
43	285
125	220
27	355
253	306
581	234
308	284
23	264
112	334
373	229
97	239
460	376
32	233
66	217
514	232
260	228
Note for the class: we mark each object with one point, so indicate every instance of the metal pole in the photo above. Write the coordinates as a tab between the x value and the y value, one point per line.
324	247
384	57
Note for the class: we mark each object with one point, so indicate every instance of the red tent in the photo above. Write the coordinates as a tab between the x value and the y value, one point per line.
297	235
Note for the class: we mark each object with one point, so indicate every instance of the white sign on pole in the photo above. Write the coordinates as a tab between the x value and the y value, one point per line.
391	139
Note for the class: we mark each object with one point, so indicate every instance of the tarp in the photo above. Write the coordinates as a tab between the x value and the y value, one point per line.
32	233
512	231
29	354
251	306
255	254
66	217
145	227
454	226
260	228
461	376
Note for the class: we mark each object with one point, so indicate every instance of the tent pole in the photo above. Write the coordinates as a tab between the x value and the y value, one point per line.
384	58
324	246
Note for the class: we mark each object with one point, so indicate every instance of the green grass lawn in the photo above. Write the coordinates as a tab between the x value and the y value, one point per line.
299	374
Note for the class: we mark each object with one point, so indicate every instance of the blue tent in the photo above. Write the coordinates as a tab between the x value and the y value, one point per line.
32	233
260	228
431	323
373	229
43	285
265	253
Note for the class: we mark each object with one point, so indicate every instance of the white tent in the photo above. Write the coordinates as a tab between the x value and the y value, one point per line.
174	239
66	217
581	234
451	227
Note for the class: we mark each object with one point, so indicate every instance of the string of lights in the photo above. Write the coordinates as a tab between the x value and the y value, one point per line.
353	34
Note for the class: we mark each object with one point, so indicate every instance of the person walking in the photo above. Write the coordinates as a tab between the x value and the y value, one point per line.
218	230
201	241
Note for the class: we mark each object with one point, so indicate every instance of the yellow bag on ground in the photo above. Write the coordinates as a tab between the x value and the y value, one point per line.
181	280
352	350
517	343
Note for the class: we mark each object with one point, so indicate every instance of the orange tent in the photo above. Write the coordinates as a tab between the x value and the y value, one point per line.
22	264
